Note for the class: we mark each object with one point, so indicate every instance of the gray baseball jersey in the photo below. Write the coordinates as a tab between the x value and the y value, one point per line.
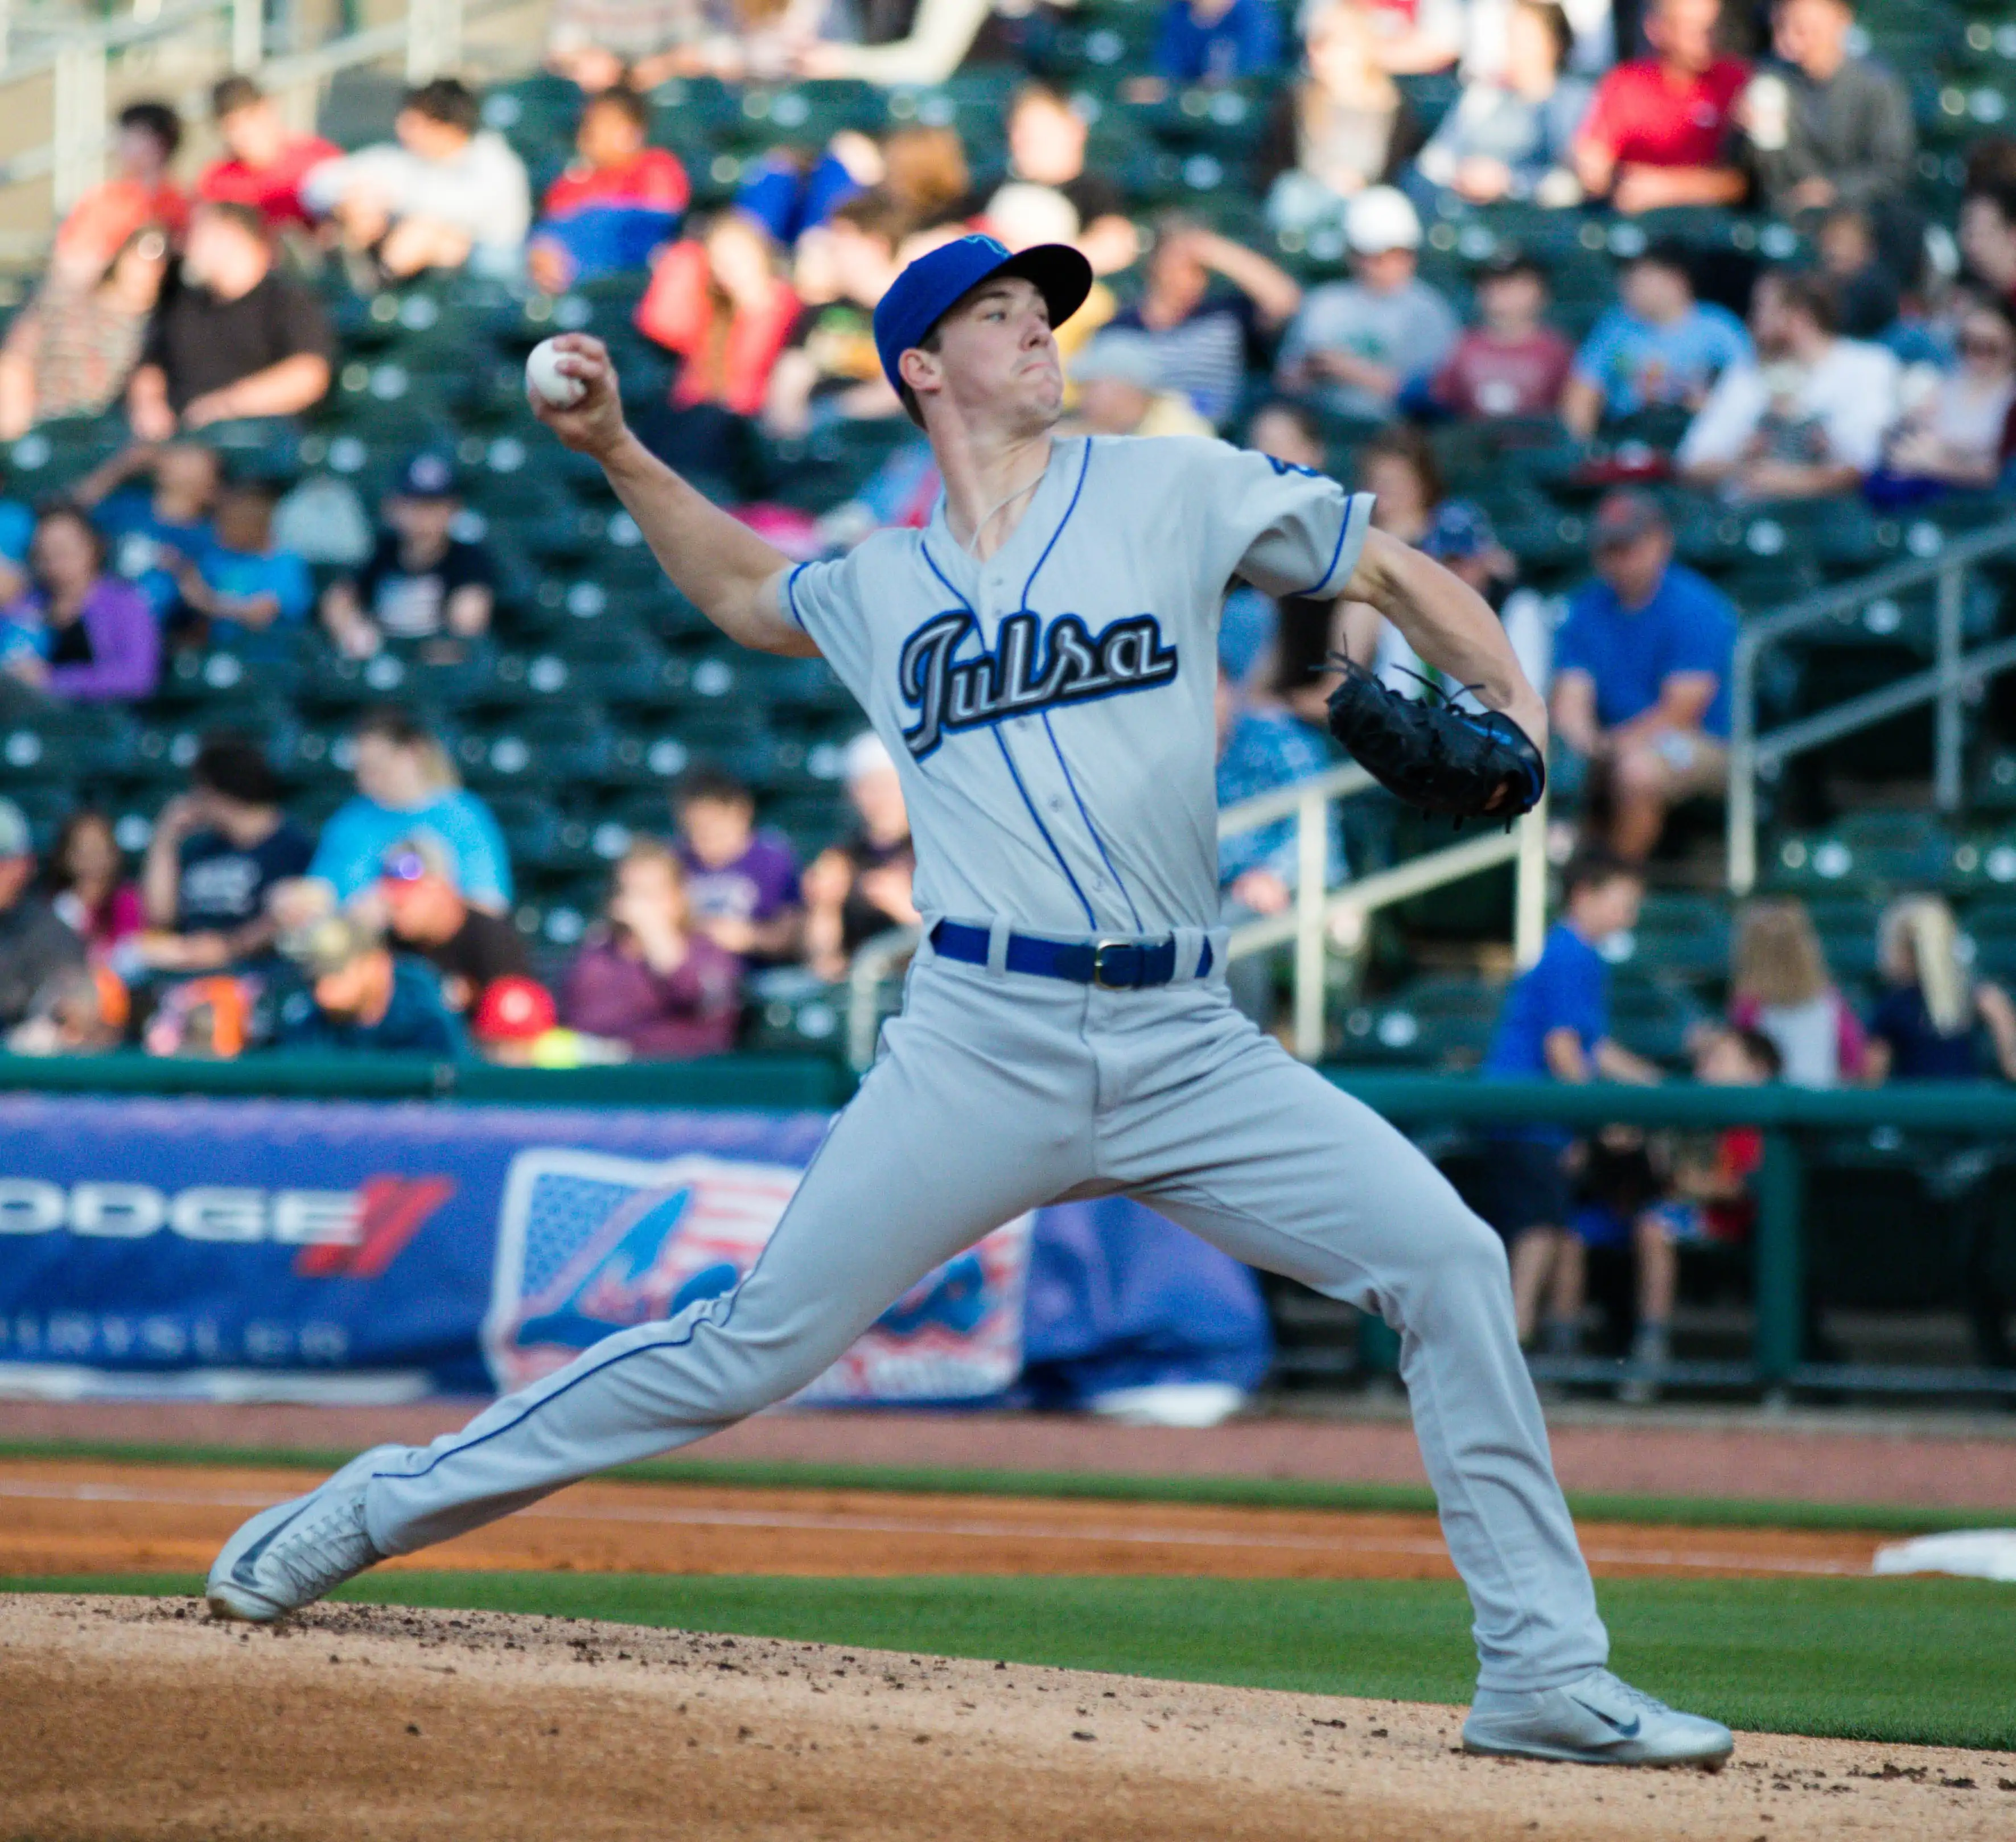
1050	709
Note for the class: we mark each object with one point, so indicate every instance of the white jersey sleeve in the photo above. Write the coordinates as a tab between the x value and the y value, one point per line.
826	600
1285	529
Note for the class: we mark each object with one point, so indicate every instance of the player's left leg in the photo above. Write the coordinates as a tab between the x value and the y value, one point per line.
1227	1135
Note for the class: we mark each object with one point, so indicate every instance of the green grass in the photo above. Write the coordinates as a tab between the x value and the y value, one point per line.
1898	1660
1268	1493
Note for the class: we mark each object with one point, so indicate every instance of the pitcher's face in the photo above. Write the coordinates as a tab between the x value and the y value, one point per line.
998	356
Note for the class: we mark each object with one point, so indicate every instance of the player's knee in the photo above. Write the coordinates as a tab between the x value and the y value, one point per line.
1641	774
1467	1250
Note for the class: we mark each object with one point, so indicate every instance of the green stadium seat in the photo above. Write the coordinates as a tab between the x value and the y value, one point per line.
1655	1017
1433	1023
1888	851
802	115
1680	932
1994	783
798	1017
89	741
561	746
540	836
556	924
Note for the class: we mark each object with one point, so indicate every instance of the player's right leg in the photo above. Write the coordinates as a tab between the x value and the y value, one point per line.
973	1115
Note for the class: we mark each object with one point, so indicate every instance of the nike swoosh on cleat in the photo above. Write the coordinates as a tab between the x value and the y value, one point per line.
1610	1721
242	1570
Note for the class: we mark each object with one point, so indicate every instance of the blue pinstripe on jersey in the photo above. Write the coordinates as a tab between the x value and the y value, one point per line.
1001	742
1099	843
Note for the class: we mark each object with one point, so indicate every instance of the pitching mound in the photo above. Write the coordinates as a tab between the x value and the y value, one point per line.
136	1717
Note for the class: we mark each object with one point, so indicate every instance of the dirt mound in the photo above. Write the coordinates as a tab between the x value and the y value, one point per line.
136	1718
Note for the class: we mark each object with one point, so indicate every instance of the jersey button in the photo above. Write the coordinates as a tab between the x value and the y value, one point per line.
1056	805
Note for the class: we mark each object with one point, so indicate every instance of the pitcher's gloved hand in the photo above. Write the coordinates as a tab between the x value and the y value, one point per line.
1433	755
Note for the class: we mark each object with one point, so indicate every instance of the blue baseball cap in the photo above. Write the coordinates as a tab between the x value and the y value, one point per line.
1459	529
931	286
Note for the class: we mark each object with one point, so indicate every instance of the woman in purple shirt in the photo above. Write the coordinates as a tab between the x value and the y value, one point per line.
79	634
645	977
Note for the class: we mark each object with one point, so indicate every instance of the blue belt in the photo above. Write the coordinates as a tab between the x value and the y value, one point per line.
1113	965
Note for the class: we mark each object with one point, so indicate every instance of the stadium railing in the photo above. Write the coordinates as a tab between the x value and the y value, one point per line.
76	63
1789	1119
1945	684
1347	906
1317	912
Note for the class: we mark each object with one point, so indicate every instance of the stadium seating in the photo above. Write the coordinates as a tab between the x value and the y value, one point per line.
601	683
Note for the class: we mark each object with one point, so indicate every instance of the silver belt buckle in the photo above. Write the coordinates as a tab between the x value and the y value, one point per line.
1098	966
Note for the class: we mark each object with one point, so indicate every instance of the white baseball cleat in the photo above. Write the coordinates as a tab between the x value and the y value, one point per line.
289	1556
1598	1721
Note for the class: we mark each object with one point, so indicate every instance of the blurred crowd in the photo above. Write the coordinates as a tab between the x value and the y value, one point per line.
389	931
1562	1201
1879	365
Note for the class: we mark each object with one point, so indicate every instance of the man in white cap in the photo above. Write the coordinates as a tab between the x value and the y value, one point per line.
1357	344
1119	380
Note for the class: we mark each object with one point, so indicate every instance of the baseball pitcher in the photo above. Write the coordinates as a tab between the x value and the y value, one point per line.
1040	661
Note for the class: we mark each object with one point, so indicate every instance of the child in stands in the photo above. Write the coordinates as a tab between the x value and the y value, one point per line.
1706	1202
1780	985
1556	1026
1929	1026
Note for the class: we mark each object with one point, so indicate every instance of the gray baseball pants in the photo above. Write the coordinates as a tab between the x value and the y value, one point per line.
996	1093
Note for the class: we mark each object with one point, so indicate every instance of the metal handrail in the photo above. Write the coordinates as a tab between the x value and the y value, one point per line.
109	36
1316	906
1944	684
430	32
873	961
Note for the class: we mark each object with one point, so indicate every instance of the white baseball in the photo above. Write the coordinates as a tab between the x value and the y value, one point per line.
547	381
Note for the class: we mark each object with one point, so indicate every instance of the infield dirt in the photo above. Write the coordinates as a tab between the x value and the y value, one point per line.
87	1516
127	1719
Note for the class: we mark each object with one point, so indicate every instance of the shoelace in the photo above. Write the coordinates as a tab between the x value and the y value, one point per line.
323	1547
1651	1704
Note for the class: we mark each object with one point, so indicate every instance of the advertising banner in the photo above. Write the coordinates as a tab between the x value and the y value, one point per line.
306	1250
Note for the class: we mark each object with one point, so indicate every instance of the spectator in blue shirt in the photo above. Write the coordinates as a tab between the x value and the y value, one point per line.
17	531
1261	748
1658	347
1217	41
1513	135
1555	1026
239	586
406	788
151	531
361	1000
1641	678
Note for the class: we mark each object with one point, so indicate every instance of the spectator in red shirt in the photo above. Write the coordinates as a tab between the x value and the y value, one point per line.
718	301
1512	364
1658	133
141	194
647	978
617	200
264	163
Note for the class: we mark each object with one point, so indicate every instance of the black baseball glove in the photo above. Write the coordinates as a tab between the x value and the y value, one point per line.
1433	754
